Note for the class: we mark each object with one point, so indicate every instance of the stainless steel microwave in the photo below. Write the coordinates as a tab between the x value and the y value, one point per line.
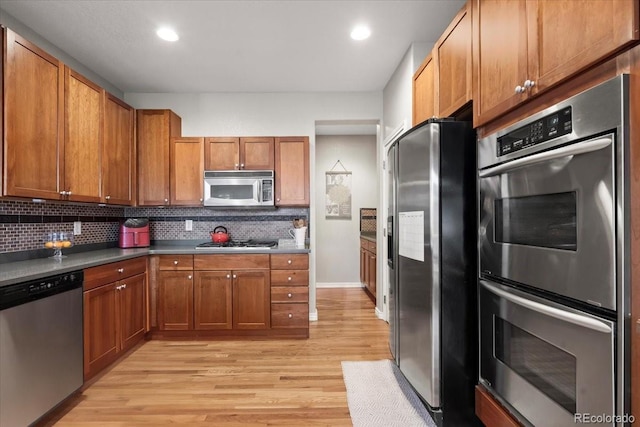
238	188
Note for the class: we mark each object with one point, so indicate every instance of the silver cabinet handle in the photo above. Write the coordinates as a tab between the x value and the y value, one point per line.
118	288
288	261
235	277
228	276
289	278
528	84
124	286
166	200
289	295
520	89
107	197
175	262
201	199
278	199
68	193
63	193
565	316
237	166
241	165
189	277
567	150
290	316
121	270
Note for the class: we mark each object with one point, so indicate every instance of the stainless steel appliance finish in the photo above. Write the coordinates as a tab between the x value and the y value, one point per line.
392	243
555	224
546	360
432	249
238	245
548	211
243	188
40	346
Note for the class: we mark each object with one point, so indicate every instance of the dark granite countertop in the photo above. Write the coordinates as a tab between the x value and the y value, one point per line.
21	271
369	235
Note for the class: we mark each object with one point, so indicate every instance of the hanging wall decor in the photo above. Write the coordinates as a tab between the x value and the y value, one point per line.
338	193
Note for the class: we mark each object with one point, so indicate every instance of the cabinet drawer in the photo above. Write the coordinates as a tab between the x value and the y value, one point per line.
175	262
231	262
112	272
371	246
290	262
290	277
364	243
289	294
289	315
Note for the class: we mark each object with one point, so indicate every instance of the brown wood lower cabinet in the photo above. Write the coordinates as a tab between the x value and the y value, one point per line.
233	295
368	266
114	312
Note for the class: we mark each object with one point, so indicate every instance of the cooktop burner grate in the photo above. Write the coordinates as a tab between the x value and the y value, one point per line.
240	244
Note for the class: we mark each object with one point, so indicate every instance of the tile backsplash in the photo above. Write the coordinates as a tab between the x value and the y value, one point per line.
23	224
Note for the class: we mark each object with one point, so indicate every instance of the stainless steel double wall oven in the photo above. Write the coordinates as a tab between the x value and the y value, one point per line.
553	240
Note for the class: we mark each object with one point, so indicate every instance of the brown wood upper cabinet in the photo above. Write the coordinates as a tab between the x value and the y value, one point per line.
83	120
424	91
523	47
453	70
187	168
34	111
292	171
118	153
233	153
155	128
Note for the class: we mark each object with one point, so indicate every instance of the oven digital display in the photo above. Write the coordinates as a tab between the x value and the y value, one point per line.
542	130
546	220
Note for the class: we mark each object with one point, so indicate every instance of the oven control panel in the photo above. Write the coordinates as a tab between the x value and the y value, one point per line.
542	130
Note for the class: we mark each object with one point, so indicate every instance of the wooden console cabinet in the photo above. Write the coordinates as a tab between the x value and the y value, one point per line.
368	266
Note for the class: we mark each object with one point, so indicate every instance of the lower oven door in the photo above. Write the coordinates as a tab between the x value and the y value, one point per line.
547	220
552	365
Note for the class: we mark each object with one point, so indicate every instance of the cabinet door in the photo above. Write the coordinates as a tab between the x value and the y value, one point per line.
155	128
599	28
292	171
118	184
175	300
363	266
101	340
131	294
34	88
251	299
424	96
213	305
256	153
187	167
372	274
500	56
222	153
452	56
83	121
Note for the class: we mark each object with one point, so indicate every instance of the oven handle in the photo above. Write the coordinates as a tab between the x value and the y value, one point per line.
567	150
576	319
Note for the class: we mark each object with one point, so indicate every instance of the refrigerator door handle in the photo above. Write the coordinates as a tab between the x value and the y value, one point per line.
390	248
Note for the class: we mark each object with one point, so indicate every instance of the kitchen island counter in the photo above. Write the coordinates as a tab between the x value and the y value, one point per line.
21	271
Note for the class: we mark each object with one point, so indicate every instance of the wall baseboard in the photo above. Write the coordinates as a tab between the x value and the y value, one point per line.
313	316
338	285
380	314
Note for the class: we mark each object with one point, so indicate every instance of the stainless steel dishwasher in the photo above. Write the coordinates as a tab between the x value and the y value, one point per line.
40	346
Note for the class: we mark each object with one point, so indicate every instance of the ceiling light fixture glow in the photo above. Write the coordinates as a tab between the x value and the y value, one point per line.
167	34
360	33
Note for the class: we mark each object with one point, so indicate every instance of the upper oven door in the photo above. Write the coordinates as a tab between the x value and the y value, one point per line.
547	220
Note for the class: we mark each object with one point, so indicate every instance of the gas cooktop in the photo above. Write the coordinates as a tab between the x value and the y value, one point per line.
239	244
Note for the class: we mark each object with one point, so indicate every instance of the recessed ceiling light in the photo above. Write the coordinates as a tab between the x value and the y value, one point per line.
360	33
167	34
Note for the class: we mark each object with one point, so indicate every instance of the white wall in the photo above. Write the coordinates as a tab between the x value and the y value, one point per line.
338	241
267	114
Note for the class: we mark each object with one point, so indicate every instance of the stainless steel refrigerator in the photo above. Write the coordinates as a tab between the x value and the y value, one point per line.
431	237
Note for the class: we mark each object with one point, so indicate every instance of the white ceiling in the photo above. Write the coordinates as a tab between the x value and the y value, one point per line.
237	46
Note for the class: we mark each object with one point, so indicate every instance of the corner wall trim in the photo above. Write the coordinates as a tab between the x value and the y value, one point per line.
313	316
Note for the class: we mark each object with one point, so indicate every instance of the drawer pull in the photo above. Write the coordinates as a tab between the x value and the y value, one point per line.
289	278
189	277
288	261
124	286
175	262
235	277
228	276
289	295
121	270
290	316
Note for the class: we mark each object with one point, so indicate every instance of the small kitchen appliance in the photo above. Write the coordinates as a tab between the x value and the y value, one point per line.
239	188
134	233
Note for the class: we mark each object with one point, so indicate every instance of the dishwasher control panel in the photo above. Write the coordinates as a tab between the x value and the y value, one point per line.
21	293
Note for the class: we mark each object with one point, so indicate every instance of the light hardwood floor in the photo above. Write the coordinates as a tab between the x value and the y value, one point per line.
239	383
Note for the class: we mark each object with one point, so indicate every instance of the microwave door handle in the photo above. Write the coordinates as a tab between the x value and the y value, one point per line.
567	150
259	198
576	319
